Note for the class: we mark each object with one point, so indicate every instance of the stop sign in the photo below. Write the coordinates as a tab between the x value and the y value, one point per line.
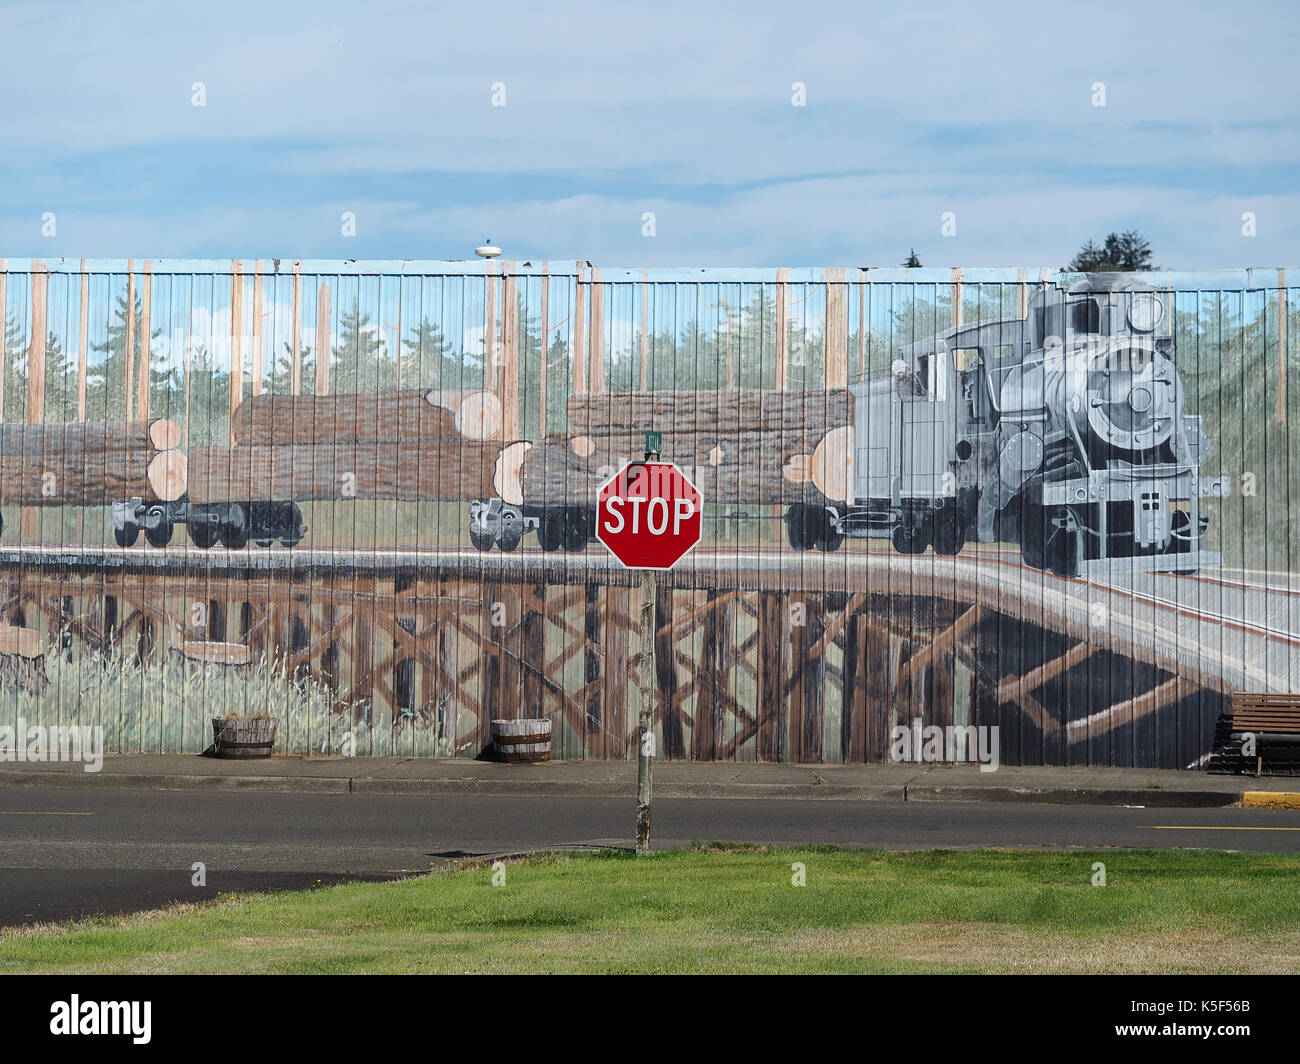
649	515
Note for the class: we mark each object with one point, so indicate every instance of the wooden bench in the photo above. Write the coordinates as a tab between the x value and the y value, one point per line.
1273	720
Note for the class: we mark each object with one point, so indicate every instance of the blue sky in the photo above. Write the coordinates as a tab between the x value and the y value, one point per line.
385	110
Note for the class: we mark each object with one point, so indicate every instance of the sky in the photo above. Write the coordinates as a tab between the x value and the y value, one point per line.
754	134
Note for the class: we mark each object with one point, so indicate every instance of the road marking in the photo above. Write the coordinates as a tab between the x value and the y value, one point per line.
1213	827
38	812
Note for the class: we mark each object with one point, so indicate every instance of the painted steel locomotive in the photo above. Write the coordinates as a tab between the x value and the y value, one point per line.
1065	432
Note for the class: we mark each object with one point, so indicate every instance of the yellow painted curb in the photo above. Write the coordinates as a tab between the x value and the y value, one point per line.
1271	799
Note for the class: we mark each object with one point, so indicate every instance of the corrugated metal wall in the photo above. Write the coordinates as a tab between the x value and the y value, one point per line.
384	631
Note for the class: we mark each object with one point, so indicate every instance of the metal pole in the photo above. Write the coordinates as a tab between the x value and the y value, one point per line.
646	720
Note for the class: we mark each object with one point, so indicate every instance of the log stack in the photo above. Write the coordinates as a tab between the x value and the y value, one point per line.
738	446
88	463
409	444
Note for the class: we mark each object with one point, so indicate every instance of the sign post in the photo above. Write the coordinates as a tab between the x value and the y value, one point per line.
649	516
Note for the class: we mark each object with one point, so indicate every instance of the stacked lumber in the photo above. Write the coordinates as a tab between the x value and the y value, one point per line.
413	413
431	469
279	420
406	444
739	447
91	463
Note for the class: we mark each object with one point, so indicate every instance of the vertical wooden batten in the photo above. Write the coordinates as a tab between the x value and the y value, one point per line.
579	328
837	328
544	371
295	332
236	341
645	293
509	391
257	327
83	349
4	322
323	339
40	282
146	306
1281	344
596	356
129	382
782	325
491	366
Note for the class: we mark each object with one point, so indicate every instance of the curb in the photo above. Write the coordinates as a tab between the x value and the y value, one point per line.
1271	799
1149	798
391	786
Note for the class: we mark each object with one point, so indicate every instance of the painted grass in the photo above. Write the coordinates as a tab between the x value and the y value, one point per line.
730	909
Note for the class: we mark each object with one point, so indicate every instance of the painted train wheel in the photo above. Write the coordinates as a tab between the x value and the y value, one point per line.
127	534
160	535
575	529
550	529
796	527
234	529
204	534
949	532
482	540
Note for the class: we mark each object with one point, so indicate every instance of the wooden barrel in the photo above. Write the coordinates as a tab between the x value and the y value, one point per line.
243	736
522	741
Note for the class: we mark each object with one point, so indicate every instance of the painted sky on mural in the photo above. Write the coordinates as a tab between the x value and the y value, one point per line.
682	109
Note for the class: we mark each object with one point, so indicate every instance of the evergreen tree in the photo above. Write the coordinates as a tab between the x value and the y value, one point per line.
280	381
208	421
912	262
1122	252
360	362
106	378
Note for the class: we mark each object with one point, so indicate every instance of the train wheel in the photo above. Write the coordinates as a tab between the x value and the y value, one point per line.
575	529
949	532
127	534
550	530
482	540
510	539
1032	537
264	543
831	541
291	528
1063	553
205	534
796	527
160	535
234	529
823	535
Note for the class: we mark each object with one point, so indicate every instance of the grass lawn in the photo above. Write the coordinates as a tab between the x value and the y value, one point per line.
730	909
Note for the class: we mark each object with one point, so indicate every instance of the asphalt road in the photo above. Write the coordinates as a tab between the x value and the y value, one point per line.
77	852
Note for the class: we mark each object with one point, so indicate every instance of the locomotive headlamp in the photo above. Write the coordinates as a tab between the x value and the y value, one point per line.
1144	312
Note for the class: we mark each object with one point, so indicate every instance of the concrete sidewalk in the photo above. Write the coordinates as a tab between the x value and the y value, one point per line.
617	779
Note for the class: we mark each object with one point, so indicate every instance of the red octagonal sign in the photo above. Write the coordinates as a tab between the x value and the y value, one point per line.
649	515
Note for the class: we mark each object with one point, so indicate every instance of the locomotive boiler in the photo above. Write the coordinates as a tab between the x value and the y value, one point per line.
1065	432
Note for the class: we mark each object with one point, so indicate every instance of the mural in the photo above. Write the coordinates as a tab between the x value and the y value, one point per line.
359	497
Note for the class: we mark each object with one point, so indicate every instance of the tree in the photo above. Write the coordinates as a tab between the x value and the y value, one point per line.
361	362
1119	252
106	379
912	263
281	379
